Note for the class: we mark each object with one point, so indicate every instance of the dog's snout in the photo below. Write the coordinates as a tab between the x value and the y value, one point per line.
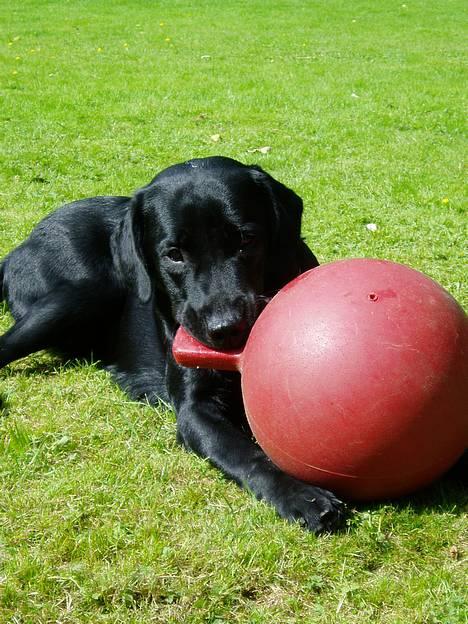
227	333
222	322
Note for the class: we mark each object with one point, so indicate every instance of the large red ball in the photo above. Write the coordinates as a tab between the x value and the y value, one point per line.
355	378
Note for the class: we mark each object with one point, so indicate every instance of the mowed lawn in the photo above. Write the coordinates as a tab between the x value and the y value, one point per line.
102	517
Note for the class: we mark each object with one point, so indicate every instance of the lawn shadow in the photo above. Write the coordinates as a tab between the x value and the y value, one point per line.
447	494
45	364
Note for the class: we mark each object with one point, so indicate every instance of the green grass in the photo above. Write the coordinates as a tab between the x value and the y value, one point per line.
102	517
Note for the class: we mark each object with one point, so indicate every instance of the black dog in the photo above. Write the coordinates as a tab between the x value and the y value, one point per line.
204	245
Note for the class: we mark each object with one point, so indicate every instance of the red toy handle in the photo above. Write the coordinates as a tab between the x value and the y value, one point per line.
189	352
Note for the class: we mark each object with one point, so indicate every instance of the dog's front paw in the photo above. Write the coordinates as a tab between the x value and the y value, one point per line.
316	509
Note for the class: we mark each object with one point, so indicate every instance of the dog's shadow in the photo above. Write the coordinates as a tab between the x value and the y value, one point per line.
45	364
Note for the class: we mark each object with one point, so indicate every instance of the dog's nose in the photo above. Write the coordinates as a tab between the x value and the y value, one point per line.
227	334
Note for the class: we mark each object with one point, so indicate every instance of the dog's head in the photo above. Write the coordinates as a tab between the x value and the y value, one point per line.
213	239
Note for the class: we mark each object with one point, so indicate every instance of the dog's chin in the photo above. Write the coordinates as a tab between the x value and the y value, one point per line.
229	343
236	343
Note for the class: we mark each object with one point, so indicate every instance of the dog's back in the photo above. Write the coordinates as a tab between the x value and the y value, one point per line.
72	244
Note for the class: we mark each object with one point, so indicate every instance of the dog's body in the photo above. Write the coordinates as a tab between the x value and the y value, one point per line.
204	245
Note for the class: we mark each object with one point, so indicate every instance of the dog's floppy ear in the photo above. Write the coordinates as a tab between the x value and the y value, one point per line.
127	250
289	255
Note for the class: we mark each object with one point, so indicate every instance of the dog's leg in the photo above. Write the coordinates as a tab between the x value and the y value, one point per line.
138	363
42	327
205	428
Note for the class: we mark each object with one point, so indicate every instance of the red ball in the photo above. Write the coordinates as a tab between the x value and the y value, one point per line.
355	378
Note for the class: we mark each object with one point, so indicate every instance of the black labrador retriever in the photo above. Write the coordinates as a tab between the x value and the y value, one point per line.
204	245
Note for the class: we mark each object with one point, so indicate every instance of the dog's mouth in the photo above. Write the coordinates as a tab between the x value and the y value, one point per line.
235	341
224	333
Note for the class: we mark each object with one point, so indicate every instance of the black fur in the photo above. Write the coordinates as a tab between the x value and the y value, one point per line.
204	245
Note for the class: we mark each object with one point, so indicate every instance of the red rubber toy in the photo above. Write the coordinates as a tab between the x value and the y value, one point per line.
355	378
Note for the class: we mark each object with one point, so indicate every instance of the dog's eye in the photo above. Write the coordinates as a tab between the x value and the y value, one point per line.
175	255
248	243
